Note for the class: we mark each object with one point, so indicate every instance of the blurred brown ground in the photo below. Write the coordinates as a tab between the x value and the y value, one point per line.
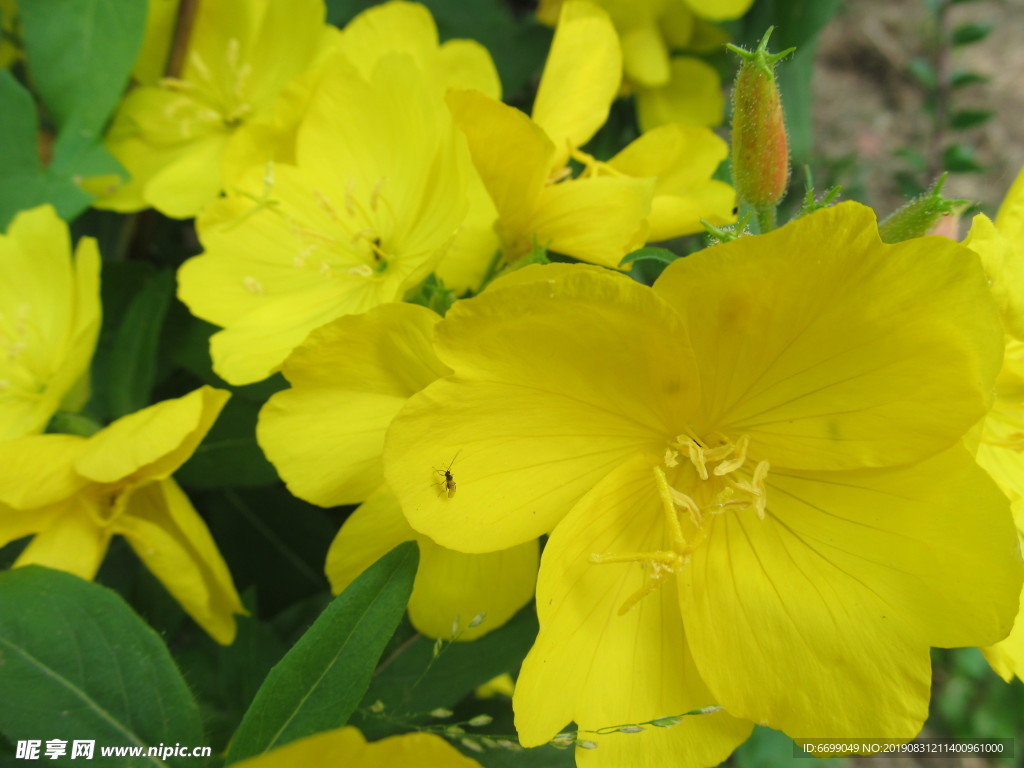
866	102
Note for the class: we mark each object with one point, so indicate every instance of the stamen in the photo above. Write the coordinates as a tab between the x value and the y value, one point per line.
350	197
740	451
375	193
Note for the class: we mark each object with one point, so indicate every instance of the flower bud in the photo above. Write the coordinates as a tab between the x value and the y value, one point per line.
760	151
920	215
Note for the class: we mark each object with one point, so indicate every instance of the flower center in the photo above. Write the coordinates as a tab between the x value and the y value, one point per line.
352	241
211	97
716	480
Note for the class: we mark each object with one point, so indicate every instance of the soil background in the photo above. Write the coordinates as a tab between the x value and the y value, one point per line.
866	103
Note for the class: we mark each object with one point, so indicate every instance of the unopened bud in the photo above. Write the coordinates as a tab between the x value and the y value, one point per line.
920	216
760	150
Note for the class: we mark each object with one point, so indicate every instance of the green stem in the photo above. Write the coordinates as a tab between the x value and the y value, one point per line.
765	217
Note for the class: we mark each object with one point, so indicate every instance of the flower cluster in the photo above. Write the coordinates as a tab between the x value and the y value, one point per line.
753	484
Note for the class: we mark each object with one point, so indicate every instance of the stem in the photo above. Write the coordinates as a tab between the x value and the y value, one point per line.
940	64
182	33
765	217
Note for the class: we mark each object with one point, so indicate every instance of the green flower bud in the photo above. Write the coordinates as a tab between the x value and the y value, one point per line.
760	150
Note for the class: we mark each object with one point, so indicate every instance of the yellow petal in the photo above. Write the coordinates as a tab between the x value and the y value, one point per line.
451	588
370	532
325	435
37	471
399	158
1003	261
581	78
598	220
598	668
531	415
719	10
1007	656
161	18
454	589
346	746
172	540
49	318
693	96
511	153
394	27
645	58
831	349
274	270
181	188
1010	218
152	443
870	567
467	64
675	215
72	540
682	159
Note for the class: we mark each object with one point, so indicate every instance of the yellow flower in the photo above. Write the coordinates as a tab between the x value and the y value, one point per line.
74	493
1001	449
347	747
409	28
669	88
376	197
752	474
49	320
172	133
658	187
348	379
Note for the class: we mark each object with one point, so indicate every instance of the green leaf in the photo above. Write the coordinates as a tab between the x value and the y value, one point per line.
659	255
76	663
914	158
962	79
959	158
318	684
412	683
229	456
969	118
257	526
80	54
966	34
132	370
922	70
25	183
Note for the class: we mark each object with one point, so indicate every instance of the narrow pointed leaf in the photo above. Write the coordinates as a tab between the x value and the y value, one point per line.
321	680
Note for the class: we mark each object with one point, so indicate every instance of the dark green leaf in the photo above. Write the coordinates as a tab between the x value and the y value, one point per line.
966	34
80	54
410	686
650	253
256	526
133	356
318	684
969	118
922	70
959	158
914	158
229	456
962	79
76	663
